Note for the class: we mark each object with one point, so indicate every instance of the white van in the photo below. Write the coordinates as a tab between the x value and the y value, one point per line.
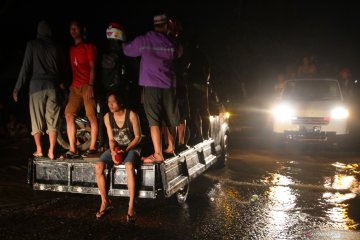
311	109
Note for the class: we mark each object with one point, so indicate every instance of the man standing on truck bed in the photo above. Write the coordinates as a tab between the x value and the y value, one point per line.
157	77
42	65
82	57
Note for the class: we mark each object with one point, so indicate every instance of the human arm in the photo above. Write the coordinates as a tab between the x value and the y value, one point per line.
134	48
91	53
24	72
134	120
90	90
112	142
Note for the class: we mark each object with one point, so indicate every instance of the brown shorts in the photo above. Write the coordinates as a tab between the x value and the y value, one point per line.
77	99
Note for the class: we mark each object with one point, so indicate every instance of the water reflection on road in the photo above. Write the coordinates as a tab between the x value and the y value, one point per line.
298	196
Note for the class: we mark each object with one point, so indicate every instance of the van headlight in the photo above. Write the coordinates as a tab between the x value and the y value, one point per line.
284	112
339	113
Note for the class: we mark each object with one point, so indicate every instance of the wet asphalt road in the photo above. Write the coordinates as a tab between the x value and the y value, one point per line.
264	192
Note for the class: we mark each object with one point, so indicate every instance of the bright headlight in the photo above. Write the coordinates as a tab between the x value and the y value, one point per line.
284	112
339	113
227	115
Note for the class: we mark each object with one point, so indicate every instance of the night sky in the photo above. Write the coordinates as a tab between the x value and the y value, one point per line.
246	41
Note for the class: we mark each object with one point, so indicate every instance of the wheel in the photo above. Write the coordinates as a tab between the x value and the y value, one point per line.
182	194
224	150
83	135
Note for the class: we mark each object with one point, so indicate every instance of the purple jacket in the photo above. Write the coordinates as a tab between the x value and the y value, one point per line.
157	53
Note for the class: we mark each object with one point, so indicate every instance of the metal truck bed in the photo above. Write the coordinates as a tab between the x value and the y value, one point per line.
78	176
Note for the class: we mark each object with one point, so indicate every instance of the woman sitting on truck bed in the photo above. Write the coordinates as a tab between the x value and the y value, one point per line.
124	132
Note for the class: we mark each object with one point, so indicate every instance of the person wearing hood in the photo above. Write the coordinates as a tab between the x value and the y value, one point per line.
42	66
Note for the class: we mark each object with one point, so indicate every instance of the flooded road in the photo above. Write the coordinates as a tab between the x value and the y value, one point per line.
262	193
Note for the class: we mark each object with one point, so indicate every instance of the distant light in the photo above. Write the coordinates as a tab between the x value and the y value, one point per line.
356	81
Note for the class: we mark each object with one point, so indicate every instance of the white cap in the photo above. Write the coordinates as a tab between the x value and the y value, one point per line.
115	31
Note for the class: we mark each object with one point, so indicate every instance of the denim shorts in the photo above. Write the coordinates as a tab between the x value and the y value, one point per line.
132	156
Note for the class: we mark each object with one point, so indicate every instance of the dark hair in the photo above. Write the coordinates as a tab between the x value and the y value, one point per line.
118	97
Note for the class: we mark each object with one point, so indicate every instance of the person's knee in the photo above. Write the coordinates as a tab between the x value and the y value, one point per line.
99	168
129	166
69	117
92	118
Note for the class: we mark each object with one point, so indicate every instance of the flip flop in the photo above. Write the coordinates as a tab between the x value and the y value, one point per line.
152	159
37	155
104	212
71	155
131	218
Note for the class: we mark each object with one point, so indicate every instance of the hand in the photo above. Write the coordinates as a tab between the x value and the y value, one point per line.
15	96
113	154
62	86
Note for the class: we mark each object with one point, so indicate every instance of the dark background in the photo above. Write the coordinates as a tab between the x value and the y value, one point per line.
247	41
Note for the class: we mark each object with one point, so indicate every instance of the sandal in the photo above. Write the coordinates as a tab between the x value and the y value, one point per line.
89	152
37	155
169	154
71	155
152	159
104	212
131	219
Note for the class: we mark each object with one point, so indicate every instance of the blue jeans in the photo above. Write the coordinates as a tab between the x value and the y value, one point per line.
131	156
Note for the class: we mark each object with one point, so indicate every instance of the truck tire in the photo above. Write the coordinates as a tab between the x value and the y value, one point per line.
224	150
182	194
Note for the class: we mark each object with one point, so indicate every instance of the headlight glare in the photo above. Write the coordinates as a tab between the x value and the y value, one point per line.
284	112
339	113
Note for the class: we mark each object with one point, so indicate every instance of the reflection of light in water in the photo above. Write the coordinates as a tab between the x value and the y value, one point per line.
339	181
339	213
337	197
340	216
345	166
281	200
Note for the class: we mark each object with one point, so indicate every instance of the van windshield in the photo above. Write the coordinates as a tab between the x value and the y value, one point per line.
312	90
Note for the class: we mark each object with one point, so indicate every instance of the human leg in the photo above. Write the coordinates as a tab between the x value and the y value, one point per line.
37	109
152	107
37	139
182	142
94	132
90	108
181	133
131	187
52	119
156	140
71	131
131	157
172	116
101	182
52	140
74	103
171	141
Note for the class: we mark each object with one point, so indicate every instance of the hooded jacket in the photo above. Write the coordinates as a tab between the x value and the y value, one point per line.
157	53
42	62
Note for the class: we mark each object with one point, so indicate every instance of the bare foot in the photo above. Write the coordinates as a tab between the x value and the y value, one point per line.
51	156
